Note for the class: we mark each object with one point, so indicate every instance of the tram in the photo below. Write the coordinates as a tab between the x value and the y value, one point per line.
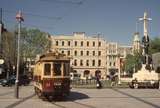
52	75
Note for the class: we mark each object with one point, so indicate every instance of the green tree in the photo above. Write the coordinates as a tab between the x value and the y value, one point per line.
9	51
154	45
33	42
132	62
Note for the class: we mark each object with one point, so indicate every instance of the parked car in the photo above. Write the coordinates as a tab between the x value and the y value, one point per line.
23	80
9	82
1	80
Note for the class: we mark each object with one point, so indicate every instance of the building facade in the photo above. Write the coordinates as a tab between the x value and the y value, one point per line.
88	54
123	50
112	58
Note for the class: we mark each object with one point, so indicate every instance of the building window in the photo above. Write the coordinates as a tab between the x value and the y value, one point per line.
75	53
114	64
81	53
75	43
99	53
87	53
87	62
62	43
68	53
69	43
99	43
93	62
93	43
56	43
81	43
75	62
99	62
87	43
110	64
93	53
81	62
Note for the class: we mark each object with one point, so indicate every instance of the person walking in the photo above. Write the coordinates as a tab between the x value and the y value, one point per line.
98	82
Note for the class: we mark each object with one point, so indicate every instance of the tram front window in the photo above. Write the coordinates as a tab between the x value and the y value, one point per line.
47	69
57	69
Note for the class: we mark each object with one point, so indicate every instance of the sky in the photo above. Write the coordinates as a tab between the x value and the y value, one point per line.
114	20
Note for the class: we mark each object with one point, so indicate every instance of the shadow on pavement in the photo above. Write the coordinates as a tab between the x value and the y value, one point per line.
72	98
20	101
137	98
76	96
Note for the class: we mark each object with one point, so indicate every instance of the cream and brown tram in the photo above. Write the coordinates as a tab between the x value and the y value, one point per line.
51	75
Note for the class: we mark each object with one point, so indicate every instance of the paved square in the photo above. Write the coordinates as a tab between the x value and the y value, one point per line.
83	98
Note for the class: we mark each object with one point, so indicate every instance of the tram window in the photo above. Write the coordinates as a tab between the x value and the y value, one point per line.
47	69
57	68
66	69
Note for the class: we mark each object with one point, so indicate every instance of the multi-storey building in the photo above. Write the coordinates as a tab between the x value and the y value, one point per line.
88	54
123	51
112	56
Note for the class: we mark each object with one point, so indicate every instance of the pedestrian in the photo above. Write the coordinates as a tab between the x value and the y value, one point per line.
112	78
98	82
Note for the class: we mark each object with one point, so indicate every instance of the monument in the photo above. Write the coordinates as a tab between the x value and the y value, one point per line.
146	74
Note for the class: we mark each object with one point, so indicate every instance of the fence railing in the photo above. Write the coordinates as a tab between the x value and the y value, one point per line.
91	83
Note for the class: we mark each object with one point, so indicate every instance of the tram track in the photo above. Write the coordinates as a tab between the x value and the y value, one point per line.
60	106
88	106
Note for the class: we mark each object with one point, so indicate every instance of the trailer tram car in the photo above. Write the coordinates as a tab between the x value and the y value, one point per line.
52	76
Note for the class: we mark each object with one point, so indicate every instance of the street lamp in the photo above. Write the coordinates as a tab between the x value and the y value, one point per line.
19	19
119	69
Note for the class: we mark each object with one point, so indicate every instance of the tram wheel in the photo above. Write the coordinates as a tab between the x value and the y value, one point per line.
50	98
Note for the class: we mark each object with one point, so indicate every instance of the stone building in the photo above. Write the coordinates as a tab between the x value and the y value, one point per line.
88	54
116	55
112	56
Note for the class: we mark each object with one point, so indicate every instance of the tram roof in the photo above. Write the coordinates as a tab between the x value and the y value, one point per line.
53	56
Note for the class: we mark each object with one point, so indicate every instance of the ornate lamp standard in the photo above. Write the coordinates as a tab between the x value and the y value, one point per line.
19	19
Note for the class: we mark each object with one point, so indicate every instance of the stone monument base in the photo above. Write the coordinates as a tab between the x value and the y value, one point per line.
145	75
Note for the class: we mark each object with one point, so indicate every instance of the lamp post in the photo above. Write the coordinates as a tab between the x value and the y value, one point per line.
19	19
1	33
119	69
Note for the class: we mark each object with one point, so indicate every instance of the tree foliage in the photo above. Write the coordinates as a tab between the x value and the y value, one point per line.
154	45
9	48
33	42
132	62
